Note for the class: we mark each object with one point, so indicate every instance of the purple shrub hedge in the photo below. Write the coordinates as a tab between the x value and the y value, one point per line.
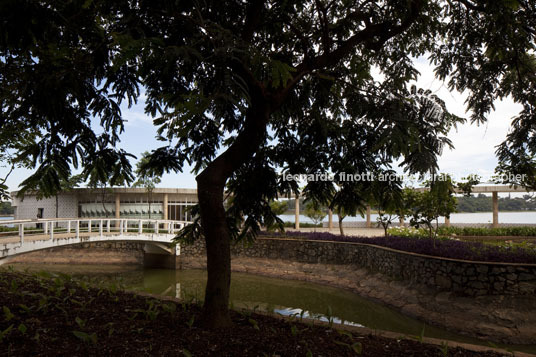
446	248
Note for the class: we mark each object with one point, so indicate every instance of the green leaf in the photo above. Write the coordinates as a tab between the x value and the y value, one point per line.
80	322
5	332
345	333
357	347
25	308
294	330
340	343
7	313
85	337
254	324
22	328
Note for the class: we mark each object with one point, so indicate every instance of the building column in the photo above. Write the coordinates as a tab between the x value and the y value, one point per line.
495	200
297	212
117	209
165	211
369	223
164	208
330	219
447	221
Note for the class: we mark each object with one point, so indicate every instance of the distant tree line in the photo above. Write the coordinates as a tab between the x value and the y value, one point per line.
478	203
6	208
482	203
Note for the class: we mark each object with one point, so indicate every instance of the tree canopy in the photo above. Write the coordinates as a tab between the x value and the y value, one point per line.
243	90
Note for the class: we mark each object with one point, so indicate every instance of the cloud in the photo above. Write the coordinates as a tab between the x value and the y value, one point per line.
474	146
135	116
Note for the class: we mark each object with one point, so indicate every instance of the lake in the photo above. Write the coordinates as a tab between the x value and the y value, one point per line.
477	217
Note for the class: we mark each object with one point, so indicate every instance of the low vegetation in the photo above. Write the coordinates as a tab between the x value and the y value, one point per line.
302	225
440	247
46	314
467	231
6	209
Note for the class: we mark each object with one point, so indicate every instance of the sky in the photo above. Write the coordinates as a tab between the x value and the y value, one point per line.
474	151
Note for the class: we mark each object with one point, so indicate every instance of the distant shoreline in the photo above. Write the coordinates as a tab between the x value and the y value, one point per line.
291	213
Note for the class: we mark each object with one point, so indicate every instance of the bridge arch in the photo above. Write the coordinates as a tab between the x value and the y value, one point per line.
27	236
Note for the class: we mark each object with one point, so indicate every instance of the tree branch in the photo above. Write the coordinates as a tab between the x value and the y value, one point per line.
385	31
471	6
382	31
323	17
253	19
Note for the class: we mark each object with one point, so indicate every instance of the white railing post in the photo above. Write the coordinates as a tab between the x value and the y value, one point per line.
121	226
51	230
100	228
108	226
140	227
171	227
77	229
69	227
45	228
21	233
156	227
89	226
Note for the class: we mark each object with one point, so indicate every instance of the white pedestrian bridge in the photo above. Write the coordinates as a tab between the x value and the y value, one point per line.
24	236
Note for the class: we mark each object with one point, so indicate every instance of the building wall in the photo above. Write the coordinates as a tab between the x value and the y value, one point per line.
87	203
27	207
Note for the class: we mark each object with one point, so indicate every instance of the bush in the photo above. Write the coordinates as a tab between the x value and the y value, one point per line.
442	247
302	225
408	232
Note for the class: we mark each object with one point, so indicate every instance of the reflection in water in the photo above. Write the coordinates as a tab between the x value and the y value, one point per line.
285	297
308	315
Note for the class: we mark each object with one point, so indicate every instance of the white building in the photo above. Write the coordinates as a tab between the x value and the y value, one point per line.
162	203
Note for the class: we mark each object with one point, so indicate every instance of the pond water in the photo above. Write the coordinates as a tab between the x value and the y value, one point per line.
286	297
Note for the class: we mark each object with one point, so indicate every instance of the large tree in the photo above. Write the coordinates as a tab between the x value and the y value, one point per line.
242	90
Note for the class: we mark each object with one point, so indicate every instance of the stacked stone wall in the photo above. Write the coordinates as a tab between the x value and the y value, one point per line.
463	277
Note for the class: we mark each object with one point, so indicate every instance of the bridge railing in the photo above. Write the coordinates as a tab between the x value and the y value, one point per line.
77	227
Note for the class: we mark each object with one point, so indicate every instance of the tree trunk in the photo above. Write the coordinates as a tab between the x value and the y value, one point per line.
210	190
341	229
218	248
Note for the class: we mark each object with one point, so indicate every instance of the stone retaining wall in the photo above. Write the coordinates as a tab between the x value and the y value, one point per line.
463	277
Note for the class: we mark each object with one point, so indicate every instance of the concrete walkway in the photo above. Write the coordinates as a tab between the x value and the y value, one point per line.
362	232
